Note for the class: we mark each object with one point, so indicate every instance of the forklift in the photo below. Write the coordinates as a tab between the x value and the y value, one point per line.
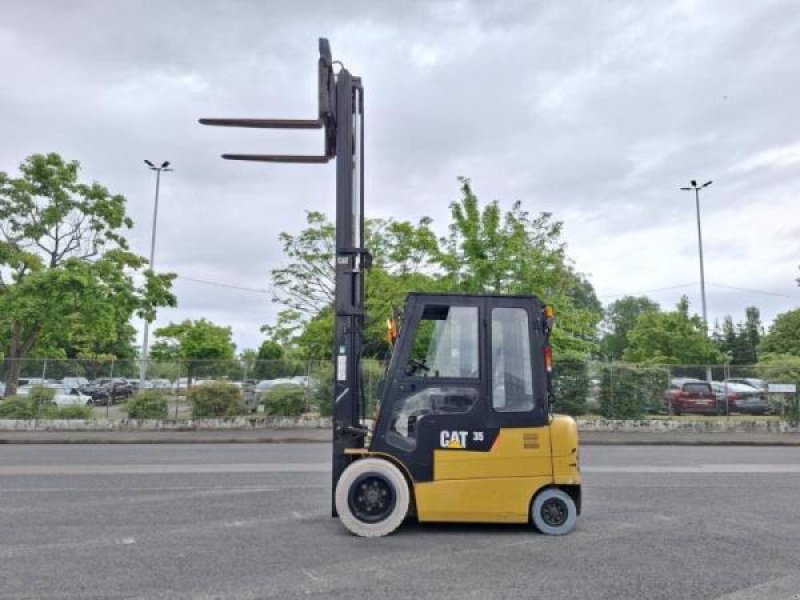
464	430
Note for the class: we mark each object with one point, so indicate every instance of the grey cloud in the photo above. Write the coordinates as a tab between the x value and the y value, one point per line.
597	112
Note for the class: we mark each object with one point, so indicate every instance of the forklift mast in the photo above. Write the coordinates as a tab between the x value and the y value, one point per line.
341	116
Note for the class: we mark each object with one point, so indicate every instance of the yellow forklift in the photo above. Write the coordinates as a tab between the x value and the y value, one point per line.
464	430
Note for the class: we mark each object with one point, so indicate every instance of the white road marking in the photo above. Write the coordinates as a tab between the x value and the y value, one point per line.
183	488
176	469
782	588
699	469
233	523
311	575
126	541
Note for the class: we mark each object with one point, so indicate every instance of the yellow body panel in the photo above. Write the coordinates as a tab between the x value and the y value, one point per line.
566	453
498	486
496	500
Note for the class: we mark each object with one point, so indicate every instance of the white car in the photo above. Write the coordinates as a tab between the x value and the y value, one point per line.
267	384
65	395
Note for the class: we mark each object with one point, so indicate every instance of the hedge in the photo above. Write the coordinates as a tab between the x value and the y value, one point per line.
148	404
216	399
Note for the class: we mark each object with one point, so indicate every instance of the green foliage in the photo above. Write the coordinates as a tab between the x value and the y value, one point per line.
629	392
321	379
516	253
782	368
205	348
306	283
740	342
487	250
784	335
68	277
372	372
270	362
571	388
147	404
41	395
671	338
779	368
621	317
216	399
17	407
72	411
285	401
36	407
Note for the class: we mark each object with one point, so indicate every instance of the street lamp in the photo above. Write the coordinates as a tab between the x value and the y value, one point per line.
164	167
693	186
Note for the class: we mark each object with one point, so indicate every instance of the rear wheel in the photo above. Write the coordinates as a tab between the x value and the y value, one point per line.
372	497
554	512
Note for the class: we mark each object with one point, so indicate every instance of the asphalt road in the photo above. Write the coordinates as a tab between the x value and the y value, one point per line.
252	521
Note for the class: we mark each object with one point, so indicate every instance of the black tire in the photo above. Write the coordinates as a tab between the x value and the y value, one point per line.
372	497
553	512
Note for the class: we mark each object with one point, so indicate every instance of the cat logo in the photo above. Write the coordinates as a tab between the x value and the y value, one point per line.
453	439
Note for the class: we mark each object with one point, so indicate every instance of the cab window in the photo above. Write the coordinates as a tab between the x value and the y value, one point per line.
446	343
512	372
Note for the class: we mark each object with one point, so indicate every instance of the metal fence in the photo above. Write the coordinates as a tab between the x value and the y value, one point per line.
278	387
614	390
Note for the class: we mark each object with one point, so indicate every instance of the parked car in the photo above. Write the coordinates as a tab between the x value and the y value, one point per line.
741	398
690	396
157	384
75	382
759	384
154	384
182	383
65	395
266	385
108	390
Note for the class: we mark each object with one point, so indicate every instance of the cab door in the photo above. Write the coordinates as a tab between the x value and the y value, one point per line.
436	390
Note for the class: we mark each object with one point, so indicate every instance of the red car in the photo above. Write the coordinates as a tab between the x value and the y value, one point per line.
690	396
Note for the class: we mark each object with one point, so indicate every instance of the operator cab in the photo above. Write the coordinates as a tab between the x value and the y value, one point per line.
463	368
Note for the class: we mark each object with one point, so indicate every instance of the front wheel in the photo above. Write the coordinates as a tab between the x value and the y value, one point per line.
554	512
372	497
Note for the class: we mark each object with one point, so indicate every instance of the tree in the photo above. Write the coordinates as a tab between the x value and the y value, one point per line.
201	345
740	342
271	362
671	338
487	250
784	335
65	269
621	317
513	252
779	368
402	254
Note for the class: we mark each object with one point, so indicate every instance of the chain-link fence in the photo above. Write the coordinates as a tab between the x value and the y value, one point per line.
184	389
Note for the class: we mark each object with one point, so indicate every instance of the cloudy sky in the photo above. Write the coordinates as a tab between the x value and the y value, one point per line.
595	111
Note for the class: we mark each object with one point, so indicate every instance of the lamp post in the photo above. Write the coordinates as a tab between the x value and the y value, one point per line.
164	167
693	186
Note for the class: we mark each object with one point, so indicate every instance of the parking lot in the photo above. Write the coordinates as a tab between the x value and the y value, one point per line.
252	521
